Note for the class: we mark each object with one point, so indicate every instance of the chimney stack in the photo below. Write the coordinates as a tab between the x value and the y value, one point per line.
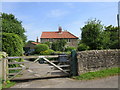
37	40
60	29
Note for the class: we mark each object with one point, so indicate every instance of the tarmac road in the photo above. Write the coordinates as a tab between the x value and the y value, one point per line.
109	82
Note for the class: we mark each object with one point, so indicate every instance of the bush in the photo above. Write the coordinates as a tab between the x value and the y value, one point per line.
12	44
59	45
40	48
48	43
59	52
70	49
47	52
82	47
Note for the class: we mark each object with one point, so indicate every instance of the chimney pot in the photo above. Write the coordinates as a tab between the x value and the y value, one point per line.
37	40
60	29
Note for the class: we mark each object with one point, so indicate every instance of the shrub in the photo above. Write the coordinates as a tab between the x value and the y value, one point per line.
47	52
59	45
82	47
40	48
48	43
70	48
59	52
12	44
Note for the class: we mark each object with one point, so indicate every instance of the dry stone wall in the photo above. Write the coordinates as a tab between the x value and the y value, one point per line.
94	60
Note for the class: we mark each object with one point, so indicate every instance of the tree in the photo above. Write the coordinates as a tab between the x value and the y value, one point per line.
55	46
10	24
106	40
62	44
113	36
12	44
92	34
59	45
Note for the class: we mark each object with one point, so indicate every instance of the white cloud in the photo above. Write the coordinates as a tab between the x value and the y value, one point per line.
57	13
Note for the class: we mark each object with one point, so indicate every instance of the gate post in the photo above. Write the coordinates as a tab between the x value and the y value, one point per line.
5	70
4	67
73	64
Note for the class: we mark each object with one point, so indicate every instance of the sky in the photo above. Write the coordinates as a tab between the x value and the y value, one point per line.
37	17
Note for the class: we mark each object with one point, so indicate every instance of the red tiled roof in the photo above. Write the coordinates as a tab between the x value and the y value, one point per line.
35	43
62	34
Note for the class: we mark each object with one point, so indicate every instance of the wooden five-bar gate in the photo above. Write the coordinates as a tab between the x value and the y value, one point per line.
65	64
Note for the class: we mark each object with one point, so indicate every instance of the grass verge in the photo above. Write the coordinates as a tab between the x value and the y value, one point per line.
98	74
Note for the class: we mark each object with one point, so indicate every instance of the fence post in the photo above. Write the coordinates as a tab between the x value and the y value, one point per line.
5	70
0	73
74	64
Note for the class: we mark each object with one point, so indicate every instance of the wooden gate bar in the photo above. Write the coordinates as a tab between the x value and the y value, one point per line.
17	62
17	73
55	66
28	57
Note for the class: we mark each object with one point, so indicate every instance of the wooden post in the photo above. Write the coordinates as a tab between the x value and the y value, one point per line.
74	64
0	74
5	70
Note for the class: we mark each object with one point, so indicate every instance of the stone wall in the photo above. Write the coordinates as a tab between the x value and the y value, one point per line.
94	60
71	43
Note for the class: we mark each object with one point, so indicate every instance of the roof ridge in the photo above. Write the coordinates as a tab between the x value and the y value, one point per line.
55	34
73	34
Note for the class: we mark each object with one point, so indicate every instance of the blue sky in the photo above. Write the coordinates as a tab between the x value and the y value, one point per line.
47	16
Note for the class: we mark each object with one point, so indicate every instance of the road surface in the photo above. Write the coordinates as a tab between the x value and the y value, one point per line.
109	82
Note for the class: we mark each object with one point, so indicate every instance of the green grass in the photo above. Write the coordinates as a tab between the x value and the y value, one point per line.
98	74
9	84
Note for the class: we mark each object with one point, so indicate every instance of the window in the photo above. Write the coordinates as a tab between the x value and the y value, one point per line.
68	40
50	40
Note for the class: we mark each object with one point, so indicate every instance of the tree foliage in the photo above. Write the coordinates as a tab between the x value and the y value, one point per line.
82	47
10	24
92	34
97	37
12	44
59	45
112	32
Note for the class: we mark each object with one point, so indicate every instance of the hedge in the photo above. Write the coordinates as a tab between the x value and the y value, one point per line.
12	44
